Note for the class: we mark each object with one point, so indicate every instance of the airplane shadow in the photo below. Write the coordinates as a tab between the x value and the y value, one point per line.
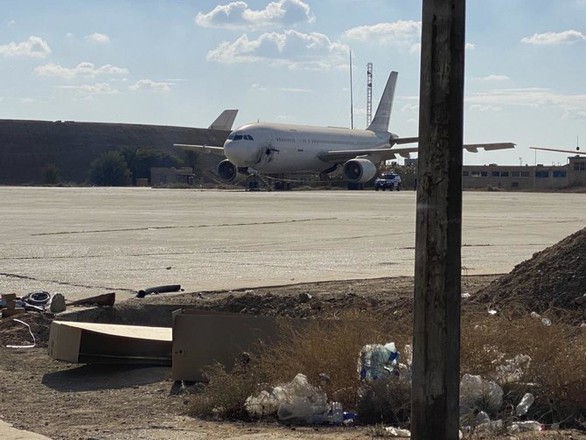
100	377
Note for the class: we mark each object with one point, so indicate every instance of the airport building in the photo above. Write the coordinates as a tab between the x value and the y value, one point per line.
526	177
522	177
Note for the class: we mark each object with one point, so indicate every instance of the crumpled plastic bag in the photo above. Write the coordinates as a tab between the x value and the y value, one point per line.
377	360
297	402
477	393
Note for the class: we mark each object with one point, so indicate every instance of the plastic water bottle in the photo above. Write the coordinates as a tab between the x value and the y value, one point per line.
530	425
481	418
524	404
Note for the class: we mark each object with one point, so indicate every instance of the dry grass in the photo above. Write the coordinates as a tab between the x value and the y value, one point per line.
556	373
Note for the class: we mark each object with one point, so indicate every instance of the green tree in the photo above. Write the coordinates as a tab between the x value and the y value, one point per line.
52	175
146	158
110	169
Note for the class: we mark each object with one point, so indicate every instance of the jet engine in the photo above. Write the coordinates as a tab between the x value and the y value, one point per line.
359	170
227	171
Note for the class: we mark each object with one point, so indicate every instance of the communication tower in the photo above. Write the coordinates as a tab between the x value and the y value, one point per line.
368	94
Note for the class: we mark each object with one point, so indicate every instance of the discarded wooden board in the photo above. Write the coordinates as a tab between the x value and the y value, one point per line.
106	299
202	337
89	343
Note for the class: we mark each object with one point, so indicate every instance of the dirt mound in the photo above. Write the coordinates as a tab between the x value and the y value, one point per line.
554	278
15	333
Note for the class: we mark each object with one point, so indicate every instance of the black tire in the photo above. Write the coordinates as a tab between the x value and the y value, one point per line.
38	298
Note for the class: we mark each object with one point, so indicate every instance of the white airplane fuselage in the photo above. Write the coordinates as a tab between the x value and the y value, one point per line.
283	148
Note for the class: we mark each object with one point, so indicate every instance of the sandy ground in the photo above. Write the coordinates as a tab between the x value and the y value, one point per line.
71	401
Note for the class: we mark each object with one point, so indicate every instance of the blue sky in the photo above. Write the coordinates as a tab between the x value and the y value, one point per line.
180	62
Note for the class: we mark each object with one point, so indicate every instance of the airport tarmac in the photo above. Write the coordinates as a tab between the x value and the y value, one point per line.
87	241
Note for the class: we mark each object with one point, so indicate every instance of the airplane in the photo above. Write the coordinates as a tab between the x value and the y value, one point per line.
278	149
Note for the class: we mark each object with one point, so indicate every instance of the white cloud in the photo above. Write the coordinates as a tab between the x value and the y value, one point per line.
149	85
238	15
293	49
34	47
98	38
83	70
399	33
92	89
485	108
469	46
11	23
494	78
555	38
571	106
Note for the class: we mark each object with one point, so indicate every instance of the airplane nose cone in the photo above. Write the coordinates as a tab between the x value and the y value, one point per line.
239	153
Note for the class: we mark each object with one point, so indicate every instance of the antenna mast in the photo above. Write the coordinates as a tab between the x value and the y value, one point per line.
351	96
368	94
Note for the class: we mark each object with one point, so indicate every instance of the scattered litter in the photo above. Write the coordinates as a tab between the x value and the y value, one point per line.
31	333
376	361
37	298
304	297
158	289
397	432
297	402
524	404
492	312
512	369
300	402
478	394
529	425
57	303
466	295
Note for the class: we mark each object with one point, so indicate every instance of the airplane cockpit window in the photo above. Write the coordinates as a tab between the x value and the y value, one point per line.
231	137
238	137
248	137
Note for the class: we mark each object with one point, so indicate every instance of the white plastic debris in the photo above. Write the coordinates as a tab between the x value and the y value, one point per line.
479	394
376	361
397	432
512	369
524	404
30	332
295	402
263	404
529	425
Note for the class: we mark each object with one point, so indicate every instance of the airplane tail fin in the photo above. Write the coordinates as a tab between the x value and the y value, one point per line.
380	122
224	121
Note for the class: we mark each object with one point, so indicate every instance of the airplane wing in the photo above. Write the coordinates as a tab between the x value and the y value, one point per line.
388	153
581	153
202	148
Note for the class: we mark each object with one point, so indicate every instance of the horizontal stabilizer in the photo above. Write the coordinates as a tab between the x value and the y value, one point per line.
559	150
202	148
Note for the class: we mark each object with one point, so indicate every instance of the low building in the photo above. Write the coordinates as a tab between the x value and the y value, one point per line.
522	177
172	176
541	177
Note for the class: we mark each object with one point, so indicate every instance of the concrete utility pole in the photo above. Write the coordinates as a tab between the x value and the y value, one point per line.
436	330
